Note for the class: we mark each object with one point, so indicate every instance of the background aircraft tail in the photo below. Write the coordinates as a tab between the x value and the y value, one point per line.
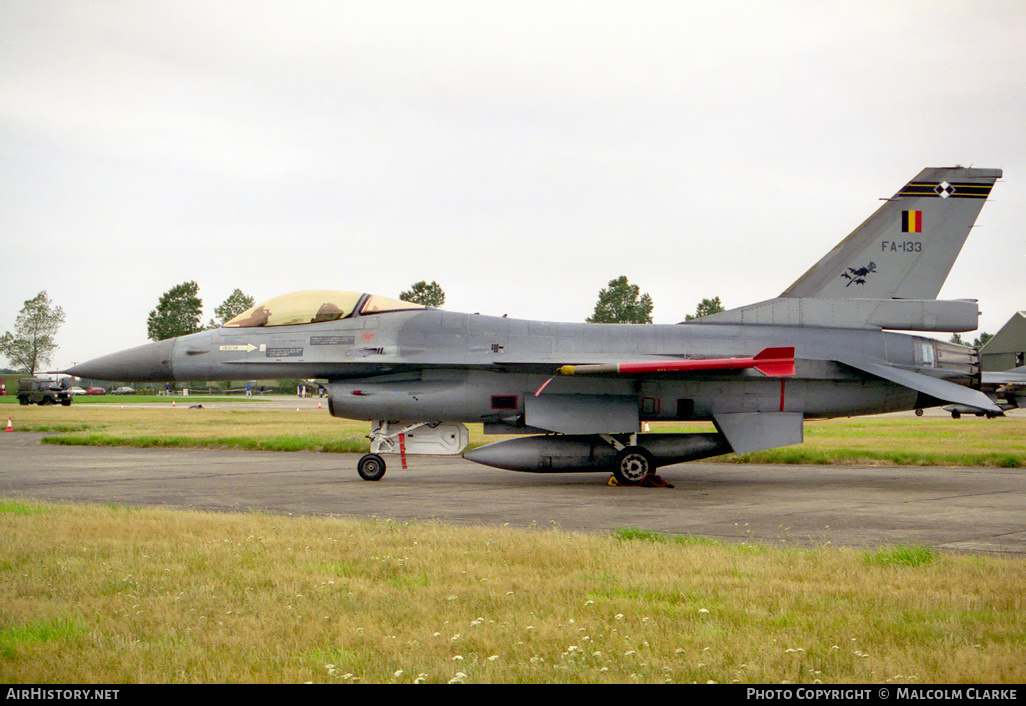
907	248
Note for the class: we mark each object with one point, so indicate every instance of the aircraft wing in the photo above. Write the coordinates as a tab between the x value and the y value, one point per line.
745	432
934	387
586	413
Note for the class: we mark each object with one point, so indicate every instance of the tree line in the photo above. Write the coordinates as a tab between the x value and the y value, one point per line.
623	303
180	309
618	303
179	312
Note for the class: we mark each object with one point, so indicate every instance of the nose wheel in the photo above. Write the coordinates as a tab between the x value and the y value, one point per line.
371	467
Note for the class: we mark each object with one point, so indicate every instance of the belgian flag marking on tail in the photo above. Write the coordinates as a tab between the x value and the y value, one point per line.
911	221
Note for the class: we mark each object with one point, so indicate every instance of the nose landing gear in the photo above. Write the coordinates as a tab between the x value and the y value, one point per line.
371	467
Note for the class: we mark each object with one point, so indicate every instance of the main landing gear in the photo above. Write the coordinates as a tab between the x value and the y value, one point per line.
632	463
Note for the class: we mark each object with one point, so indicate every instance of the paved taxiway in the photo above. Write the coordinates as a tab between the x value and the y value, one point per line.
962	509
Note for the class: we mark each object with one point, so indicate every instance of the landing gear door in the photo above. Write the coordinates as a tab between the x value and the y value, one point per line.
428	439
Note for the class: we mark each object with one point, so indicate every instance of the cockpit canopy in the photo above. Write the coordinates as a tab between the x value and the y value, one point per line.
315	306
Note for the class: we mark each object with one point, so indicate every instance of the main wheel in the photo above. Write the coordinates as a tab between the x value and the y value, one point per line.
632	465
371	467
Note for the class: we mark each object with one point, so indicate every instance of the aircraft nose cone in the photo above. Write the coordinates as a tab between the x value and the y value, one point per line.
147	363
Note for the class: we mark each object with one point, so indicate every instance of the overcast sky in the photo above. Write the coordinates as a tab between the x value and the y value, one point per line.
522	154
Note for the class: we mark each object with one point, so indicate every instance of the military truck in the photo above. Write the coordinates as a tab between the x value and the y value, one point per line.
42	391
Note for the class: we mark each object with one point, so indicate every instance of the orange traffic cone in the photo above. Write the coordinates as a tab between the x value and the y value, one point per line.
9	427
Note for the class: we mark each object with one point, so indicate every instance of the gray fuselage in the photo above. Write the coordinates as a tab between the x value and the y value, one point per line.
433	365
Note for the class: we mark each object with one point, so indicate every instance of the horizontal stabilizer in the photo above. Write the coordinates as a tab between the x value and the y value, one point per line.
934	387
773	362
758	431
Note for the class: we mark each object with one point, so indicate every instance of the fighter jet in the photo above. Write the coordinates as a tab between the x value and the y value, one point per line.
1006	388
831	345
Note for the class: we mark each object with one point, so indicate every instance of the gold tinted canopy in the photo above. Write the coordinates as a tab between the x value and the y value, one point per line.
315	306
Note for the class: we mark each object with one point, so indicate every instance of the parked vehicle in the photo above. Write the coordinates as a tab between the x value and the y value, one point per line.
123	391
96	391
42	392
76	391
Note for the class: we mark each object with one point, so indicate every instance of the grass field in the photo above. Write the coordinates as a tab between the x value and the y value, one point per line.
98	594
889	440
106	594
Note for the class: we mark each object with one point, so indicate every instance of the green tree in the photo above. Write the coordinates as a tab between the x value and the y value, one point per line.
982	340
956	338
706	307
424	293
622	303
32	343
178	313
236	303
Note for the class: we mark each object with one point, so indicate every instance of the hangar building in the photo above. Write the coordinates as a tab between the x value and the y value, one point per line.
1007	349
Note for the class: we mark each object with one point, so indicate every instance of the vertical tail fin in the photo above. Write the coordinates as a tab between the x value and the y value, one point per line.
907	248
